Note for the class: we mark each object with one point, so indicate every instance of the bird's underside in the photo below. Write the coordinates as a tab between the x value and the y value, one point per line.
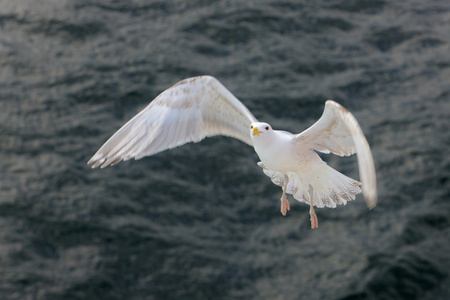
329	188
199	107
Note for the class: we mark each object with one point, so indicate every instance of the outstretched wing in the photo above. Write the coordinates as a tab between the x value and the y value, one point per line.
338	132
189	111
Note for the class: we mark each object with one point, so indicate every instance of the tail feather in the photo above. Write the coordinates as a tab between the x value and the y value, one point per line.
331	188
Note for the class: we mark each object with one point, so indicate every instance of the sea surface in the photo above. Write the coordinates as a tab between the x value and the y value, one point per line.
202	221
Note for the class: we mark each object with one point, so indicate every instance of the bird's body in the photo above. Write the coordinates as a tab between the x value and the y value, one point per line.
199	107
300	171
277	153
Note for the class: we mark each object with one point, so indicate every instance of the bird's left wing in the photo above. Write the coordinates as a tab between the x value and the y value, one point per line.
189	111
337	131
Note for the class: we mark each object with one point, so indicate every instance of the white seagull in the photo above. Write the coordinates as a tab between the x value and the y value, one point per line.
199	107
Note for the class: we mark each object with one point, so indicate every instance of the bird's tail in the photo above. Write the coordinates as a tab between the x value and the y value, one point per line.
334	189
331	188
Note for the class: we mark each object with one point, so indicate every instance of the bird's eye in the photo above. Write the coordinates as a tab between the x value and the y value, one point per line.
251	126
267	127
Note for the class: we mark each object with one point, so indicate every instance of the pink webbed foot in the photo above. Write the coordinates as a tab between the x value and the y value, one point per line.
285	206
284	201
314	220
312	212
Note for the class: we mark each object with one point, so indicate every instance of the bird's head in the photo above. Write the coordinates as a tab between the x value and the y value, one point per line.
260	131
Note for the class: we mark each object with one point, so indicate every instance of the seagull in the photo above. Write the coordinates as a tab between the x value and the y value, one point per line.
200	107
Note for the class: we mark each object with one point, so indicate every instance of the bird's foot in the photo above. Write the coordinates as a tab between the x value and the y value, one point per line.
312	212
284	205
284	201
314	220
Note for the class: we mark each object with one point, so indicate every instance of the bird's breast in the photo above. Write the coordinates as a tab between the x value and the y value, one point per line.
284	157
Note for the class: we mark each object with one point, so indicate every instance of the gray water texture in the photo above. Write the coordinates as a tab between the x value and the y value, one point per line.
202	221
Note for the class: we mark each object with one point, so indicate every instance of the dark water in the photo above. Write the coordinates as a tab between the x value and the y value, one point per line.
203	221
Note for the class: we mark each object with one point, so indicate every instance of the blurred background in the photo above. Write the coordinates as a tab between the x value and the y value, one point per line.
203	221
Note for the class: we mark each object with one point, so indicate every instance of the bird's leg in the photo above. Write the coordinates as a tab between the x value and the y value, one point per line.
312	213
284	201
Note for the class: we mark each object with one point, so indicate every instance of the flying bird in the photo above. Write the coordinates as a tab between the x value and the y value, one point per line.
201	107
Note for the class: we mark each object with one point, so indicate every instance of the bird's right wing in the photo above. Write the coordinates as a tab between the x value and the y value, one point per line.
337	131
189	111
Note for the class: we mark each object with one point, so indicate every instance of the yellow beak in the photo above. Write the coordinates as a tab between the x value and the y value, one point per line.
256	131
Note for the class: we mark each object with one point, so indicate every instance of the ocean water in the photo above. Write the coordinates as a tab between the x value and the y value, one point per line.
202	221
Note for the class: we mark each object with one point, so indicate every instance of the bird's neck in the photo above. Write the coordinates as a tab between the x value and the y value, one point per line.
263	146
262	143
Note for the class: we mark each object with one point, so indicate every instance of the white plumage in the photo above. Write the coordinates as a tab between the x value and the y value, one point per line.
199	107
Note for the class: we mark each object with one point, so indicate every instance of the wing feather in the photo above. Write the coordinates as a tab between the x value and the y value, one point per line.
189	111
337	131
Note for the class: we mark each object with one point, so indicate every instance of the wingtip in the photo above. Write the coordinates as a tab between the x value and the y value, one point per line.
331	102
96	162
371	201
91	163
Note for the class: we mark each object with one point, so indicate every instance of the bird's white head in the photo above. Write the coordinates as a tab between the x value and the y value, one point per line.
260	131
